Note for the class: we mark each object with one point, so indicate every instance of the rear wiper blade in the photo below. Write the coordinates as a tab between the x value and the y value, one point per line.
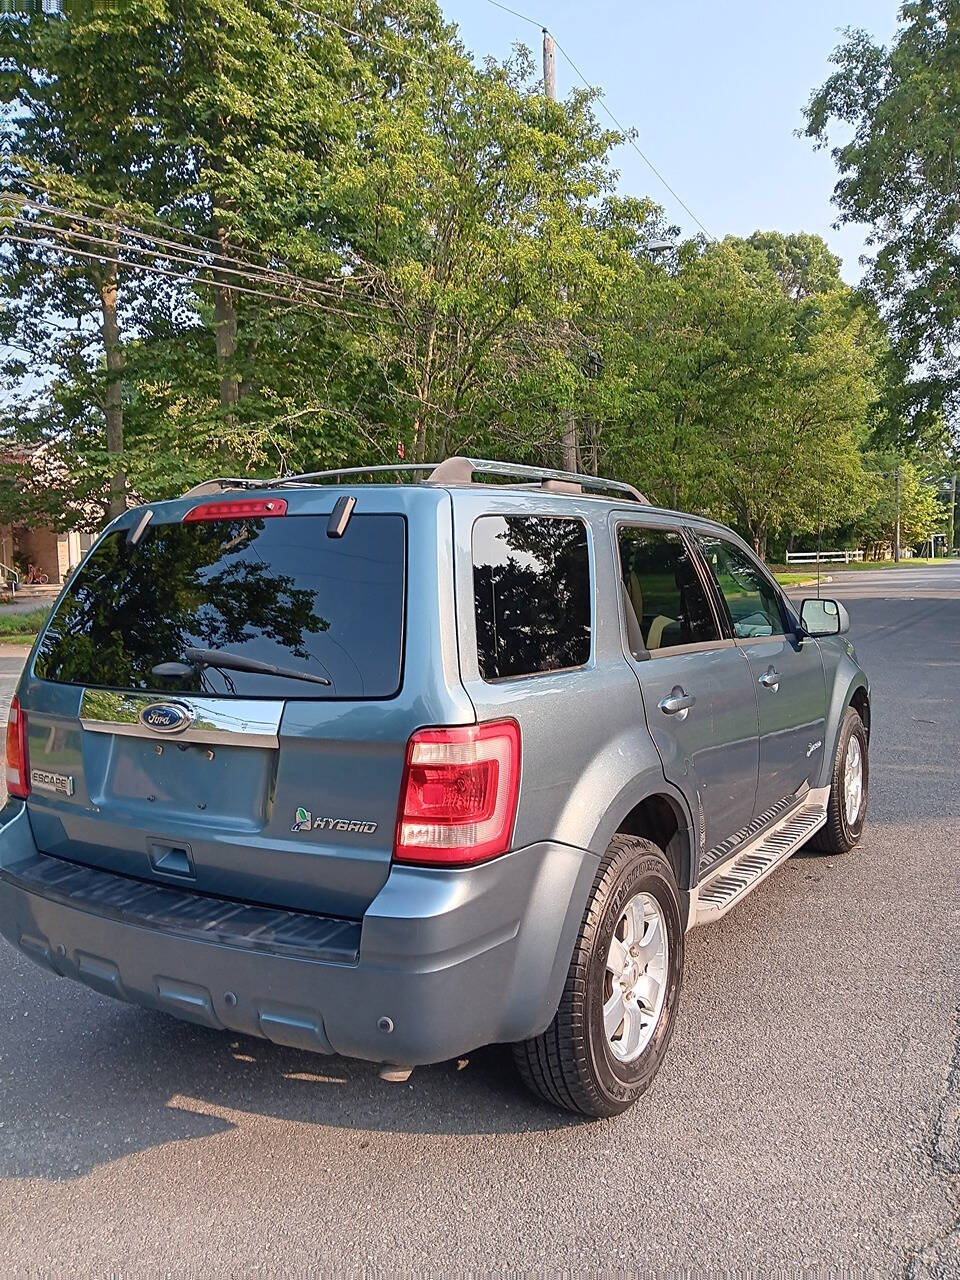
237	662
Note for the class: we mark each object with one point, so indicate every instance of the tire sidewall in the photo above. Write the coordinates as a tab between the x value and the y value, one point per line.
852	727
647	872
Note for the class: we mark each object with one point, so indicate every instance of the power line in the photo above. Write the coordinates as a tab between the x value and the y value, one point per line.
250	271
633	143
517	14
140	217
65	234
150	268
360	35
601	99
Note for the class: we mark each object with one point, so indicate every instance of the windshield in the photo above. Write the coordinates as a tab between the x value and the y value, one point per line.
276	590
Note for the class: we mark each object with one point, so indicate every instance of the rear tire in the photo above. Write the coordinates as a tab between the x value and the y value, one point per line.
847	806
628	959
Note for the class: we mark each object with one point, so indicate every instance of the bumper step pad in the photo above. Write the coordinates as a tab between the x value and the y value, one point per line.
191	915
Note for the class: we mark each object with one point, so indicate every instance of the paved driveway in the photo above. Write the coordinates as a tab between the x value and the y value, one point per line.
807	1114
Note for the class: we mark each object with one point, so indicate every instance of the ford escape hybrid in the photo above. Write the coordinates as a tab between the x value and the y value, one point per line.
399	770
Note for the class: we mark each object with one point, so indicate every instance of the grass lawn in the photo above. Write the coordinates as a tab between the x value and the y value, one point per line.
21	628
787	577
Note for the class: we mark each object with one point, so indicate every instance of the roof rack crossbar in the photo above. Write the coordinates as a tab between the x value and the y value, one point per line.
454	470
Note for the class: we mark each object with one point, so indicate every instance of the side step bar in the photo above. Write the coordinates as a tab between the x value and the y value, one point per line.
729	884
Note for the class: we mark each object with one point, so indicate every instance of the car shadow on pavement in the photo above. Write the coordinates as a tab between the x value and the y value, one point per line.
140	1080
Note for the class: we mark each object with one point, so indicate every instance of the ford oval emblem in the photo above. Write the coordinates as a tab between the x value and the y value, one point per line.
166	717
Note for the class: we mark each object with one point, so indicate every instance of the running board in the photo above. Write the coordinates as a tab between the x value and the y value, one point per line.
725	887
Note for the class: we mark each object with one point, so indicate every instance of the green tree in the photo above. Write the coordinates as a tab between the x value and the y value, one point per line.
899	173
79	92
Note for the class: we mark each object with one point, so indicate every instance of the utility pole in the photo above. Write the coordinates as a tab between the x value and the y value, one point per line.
896	545
953	514
567	421
549	66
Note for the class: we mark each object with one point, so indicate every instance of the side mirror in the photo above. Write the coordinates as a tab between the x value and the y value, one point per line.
824	618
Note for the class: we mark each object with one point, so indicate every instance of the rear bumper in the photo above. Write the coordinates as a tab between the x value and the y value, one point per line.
449	960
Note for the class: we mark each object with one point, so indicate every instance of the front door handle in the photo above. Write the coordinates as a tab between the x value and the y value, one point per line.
771	679
677	703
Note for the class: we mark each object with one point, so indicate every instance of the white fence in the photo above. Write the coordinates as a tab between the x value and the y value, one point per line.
824	557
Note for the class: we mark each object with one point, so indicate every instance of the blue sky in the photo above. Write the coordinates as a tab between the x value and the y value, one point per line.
715	89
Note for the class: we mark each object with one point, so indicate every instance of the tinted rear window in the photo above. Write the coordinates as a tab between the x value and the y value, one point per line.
277	590
531	583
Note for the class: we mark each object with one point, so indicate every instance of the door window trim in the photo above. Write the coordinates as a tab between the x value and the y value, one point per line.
725	640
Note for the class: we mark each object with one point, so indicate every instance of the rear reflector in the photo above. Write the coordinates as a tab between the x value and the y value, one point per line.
459	796
250	509
18	773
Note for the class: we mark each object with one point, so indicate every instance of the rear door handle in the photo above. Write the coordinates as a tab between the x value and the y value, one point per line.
677	703
770	679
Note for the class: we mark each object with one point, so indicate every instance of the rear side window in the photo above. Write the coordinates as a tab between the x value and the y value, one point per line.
277	590
664	590
531	586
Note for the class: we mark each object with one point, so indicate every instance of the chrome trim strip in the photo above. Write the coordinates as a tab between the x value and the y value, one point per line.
241	722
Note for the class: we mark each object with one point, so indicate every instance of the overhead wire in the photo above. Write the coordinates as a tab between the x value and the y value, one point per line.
150	268
360	35
631	141
249	272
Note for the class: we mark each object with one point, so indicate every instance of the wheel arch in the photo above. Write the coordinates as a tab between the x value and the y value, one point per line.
853	692
860	701
657	813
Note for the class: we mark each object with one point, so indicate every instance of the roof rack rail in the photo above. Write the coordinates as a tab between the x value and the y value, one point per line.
455	470
459	470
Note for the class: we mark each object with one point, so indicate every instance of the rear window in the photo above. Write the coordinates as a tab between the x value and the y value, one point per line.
277	590
531	584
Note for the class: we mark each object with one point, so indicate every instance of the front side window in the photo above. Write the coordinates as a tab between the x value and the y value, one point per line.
751	599
531	587
670	606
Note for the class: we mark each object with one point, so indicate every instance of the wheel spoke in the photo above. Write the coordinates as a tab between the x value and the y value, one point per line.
649	942
632	924
616	957
613	1013
632	1030
647	992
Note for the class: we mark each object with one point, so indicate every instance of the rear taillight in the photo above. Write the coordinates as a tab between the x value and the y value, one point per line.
459	795
18	774
242	509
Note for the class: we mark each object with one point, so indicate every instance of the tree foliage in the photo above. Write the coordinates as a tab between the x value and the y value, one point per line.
253	237
900	174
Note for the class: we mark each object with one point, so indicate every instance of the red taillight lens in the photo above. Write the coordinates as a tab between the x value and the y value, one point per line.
18	774
459	795
249	509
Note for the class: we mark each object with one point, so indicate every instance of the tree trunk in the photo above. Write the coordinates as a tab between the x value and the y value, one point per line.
113	400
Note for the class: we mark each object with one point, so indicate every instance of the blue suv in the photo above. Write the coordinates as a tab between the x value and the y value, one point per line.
396	770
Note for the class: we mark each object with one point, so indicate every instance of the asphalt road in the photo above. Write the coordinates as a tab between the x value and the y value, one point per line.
808	1114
